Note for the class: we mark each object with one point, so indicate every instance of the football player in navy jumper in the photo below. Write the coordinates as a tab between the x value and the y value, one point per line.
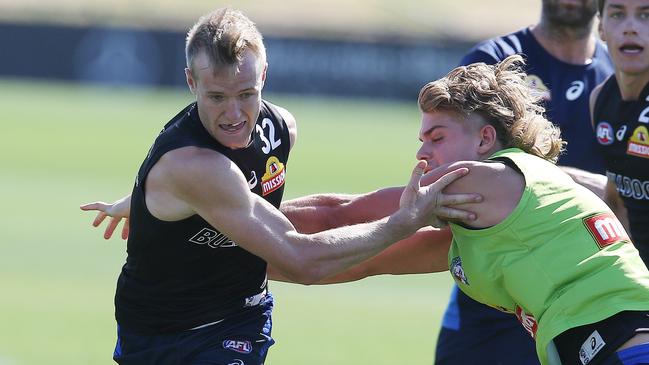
620	111
204	220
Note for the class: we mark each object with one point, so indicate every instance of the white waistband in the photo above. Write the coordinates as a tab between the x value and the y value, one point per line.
248	302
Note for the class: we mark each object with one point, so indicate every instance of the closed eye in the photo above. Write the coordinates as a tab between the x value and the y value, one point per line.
615	15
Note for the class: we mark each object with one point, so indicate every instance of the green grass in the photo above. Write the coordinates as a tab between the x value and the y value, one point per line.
65	144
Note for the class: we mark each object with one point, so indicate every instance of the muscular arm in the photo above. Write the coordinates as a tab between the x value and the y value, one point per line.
120	209
424	252
315	213
194	181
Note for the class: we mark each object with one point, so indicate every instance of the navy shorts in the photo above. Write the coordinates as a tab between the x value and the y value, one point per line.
596	343
238	340
636	355
474	333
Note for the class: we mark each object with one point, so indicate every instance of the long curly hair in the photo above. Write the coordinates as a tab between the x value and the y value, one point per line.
500	94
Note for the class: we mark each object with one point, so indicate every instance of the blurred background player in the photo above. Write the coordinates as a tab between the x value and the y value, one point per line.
564	62
621	113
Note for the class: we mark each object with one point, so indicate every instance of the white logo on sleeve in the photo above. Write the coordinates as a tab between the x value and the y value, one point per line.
591	347
620	133
253	180
575	90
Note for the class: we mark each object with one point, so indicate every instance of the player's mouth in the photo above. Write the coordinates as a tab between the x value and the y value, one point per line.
233	127
631	49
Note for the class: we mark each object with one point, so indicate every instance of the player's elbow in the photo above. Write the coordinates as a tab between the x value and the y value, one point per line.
298	268
303	274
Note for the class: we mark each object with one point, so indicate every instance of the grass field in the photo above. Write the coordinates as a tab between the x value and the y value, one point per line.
63	145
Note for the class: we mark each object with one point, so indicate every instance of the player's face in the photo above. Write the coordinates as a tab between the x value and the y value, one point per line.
625	28
447	137
229	98
571	13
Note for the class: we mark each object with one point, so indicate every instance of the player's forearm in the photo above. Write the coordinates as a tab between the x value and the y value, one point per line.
324	254
315	213
423	252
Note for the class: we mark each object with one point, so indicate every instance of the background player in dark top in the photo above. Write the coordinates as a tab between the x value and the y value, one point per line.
621	113
204	217
565	62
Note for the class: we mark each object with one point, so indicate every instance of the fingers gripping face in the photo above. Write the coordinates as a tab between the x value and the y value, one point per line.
428	205
445	204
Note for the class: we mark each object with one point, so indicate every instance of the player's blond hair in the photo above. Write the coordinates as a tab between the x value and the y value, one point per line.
501	96
224	35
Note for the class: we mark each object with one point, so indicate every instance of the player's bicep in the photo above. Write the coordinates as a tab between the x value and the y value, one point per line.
216	190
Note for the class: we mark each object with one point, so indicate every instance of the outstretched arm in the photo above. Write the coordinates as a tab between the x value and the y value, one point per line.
206	183
424	252
315	213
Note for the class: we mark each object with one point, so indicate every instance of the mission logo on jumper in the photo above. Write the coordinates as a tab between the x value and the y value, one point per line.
606	229
457	271
274	176
605	133
639	143
242	347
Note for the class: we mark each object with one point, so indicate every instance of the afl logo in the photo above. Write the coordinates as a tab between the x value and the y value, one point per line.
605	135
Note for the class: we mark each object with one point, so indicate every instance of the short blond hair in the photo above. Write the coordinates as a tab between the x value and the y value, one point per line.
501	96
224	35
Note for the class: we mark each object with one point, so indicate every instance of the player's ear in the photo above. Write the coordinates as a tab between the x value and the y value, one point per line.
191	83
600	30
488	138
